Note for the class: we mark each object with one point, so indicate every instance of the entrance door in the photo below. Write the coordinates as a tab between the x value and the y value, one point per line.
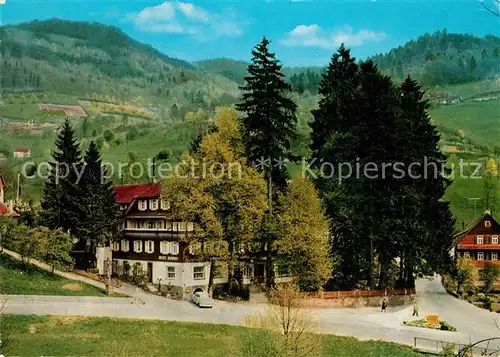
259	273
150	272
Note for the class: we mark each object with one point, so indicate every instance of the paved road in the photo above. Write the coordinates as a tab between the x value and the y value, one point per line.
366	323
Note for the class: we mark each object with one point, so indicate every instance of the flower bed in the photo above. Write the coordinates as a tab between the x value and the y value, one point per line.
443	325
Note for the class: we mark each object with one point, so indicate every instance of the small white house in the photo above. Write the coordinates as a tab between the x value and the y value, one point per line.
22	153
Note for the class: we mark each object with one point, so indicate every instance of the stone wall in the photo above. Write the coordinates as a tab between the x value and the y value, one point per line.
360	301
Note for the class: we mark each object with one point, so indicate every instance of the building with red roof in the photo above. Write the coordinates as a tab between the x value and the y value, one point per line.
480	243
153	240
22	153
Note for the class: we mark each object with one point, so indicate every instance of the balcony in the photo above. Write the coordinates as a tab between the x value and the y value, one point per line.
470	246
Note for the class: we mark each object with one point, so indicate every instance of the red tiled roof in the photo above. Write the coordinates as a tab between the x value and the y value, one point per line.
126	193
5	211
22	150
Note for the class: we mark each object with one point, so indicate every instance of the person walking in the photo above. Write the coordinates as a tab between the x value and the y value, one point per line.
415	309
384	306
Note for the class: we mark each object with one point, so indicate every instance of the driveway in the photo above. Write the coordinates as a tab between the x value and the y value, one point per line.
366	323
468	319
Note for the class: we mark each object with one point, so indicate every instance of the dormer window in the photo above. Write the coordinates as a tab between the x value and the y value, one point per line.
480	240
494	240
143	205
487	224
165	205
153	204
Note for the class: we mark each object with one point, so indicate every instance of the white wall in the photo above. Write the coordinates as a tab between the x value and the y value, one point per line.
183	272
102	253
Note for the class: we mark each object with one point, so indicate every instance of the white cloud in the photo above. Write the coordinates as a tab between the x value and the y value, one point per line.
186	18
315	36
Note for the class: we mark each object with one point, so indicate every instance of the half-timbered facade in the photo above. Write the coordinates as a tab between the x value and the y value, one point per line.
480	243
152	239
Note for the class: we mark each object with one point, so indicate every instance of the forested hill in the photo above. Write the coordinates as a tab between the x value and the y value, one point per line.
440	58
82	57
301	78
444	58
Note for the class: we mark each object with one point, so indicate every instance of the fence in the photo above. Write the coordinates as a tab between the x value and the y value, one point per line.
357	293
428	345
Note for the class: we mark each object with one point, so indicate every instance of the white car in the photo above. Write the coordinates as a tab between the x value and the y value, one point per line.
202	299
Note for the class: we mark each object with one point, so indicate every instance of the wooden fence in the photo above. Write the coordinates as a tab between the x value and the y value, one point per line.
357	293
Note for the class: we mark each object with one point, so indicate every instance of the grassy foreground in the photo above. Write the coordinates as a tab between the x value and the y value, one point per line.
81	336
16	279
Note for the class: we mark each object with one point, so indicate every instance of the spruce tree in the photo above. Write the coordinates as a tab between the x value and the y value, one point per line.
268	128
431	221
62	203
101	210
269	121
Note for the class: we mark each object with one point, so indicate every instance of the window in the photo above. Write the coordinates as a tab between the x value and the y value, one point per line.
171	272
182	226
149	246
165	205
169	248
480	240
115	246
174	248
164	247
494	256
125	245
151	225
466	255
175	226
494	240
138	246
199	273
159	224
487	223
168	226
247	271
480	256
153	204
143	205
190	226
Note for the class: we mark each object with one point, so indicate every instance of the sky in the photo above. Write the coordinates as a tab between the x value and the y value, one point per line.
302	32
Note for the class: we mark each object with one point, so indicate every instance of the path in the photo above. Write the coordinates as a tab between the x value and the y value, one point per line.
471	322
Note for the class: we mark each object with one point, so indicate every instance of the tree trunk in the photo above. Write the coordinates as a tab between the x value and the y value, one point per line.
370	272
211	279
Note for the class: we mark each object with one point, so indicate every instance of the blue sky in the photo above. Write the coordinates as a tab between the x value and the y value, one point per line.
303	32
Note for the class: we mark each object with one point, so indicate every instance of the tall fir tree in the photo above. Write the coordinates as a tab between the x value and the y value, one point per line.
431	221
62	205
101	210
269	121
362	120
268	128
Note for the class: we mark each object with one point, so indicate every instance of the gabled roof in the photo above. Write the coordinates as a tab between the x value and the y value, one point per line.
5	211
124	194
459	236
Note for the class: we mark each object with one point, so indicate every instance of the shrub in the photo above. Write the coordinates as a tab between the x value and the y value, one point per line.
487	304
108	135
446	326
